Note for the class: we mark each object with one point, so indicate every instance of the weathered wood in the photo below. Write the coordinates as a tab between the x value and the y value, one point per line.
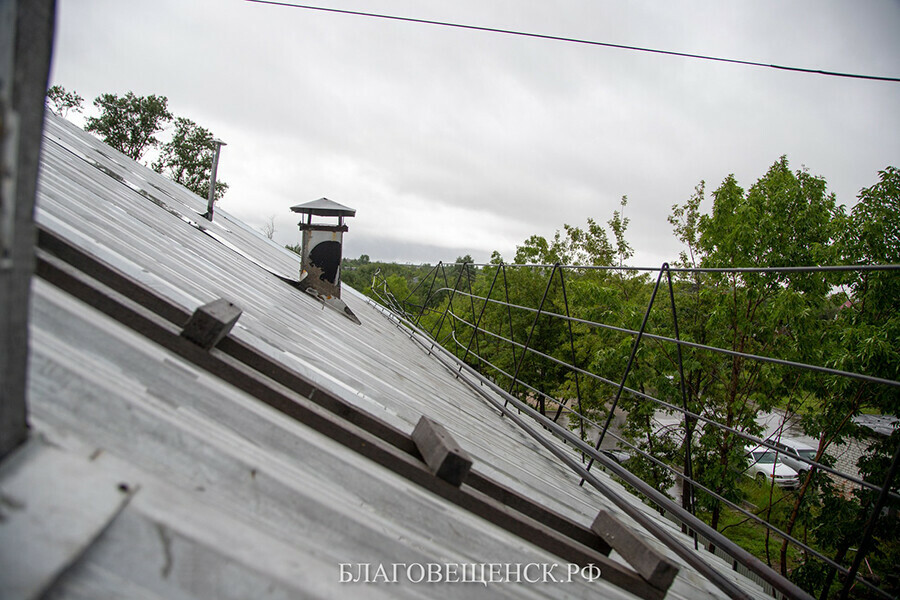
211	322
649	564
441	452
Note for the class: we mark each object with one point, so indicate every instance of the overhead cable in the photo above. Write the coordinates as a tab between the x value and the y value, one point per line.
578	41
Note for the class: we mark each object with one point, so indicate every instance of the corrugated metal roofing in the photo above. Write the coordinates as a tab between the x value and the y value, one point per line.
220	495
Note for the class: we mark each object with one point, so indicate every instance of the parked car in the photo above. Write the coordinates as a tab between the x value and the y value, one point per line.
790	453
620	456
764	467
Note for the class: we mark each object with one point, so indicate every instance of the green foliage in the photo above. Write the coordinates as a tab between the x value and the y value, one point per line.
767	502
862	337
618	224
188	158
363	274
463	273
130	123
60	101
685	221
784	219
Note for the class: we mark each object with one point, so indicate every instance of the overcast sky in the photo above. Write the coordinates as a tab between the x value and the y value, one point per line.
451	141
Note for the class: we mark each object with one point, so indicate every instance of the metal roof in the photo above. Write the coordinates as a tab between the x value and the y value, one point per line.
181	483
880	424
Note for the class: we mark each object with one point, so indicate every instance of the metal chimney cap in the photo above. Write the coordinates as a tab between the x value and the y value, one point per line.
324	207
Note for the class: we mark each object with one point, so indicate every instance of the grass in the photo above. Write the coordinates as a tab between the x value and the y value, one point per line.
750	534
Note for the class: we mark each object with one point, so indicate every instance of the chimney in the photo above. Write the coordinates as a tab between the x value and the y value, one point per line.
322	245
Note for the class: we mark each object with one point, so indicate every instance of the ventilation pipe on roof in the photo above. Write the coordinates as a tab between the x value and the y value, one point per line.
322	250
211	199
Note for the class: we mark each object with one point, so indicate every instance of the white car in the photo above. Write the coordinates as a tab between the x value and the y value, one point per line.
764	467
790	453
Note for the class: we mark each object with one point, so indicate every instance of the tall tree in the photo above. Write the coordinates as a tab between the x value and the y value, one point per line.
694	305
861	337
130	123
188	157
784	219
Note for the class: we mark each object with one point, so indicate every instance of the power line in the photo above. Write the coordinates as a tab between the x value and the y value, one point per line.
578	41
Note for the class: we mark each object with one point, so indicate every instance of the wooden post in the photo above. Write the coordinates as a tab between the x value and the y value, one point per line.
649	564
441	452
211	322
26	43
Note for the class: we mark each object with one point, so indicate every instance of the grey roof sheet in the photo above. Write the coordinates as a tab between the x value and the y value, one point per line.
880	424
235	499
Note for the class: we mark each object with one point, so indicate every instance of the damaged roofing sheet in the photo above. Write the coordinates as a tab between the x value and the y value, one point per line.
226	496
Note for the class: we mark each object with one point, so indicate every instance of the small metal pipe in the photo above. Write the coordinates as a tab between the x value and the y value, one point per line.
211	199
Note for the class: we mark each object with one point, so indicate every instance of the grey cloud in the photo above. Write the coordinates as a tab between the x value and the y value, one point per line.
530	133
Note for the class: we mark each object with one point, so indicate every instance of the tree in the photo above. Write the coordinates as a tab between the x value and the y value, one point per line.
188	157
862	338
588	294
268	227
618	224
60	101
785	219
129	123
